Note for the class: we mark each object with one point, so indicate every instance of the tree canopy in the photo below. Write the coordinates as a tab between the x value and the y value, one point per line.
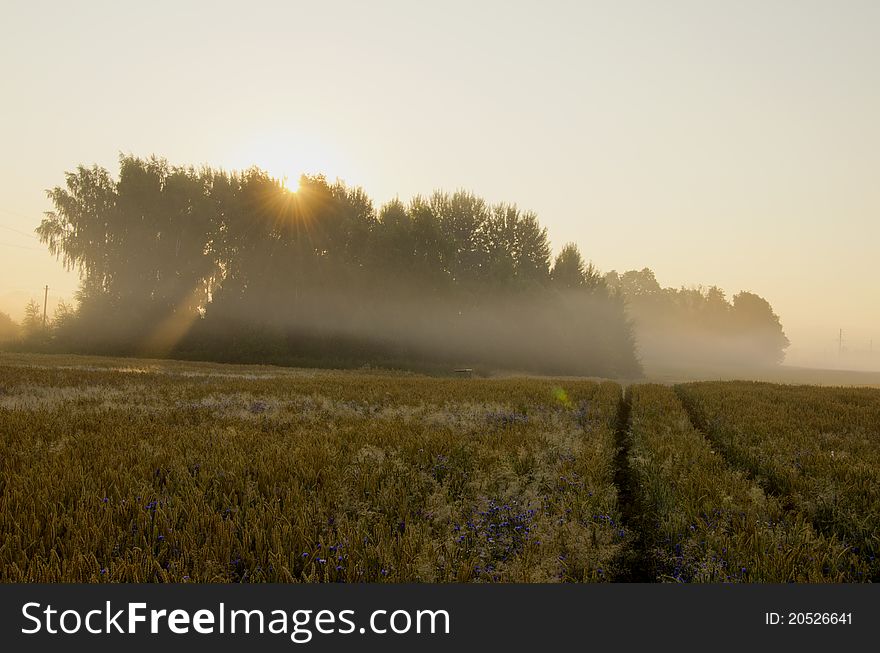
235	266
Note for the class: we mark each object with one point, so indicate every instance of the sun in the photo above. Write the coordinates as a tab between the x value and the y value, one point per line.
291	187
285	154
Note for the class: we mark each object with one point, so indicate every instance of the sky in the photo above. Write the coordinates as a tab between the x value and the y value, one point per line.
734	144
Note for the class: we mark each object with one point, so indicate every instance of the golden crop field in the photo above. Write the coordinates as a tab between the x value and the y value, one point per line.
125	470
200	473
709	522
818	449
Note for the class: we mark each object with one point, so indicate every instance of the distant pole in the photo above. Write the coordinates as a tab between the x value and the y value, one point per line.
840	344
45	301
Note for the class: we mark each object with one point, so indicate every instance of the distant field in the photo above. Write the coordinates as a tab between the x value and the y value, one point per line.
779	374
124	470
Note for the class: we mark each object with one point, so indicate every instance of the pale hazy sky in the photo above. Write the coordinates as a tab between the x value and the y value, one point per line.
729	143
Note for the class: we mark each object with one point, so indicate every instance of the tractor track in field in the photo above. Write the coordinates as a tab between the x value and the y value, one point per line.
763	481
635	564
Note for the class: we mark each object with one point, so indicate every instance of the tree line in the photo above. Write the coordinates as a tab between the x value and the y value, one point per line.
199	262
687	326
234	266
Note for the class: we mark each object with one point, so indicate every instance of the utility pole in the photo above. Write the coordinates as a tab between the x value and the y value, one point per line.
45	301
840	344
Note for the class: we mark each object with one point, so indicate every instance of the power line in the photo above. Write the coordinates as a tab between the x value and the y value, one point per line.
16	213
35	249
18	231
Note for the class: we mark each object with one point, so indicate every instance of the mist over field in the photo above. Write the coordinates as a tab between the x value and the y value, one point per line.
564	334
201	263
699	328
